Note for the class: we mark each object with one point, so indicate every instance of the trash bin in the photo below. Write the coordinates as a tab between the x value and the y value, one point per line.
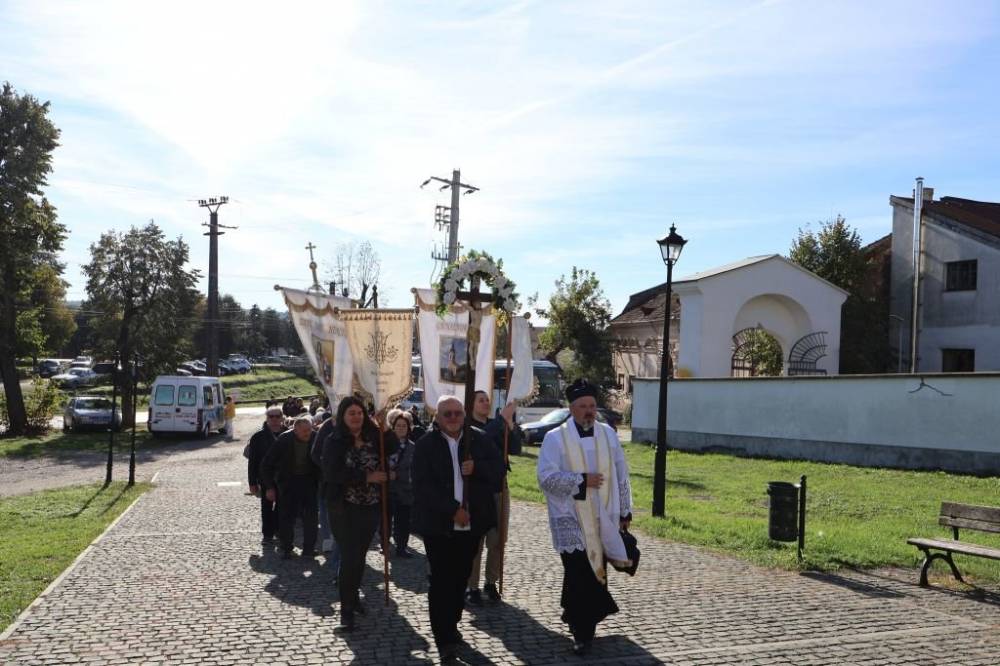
783	517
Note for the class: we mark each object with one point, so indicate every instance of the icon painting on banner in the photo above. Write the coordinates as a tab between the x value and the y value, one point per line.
454	359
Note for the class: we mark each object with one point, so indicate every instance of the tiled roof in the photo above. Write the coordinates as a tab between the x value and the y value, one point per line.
982	216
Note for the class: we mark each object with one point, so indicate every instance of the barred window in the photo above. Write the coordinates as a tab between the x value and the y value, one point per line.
961	275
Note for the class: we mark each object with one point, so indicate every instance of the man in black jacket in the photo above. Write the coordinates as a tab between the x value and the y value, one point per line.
292	479
454	482
257	448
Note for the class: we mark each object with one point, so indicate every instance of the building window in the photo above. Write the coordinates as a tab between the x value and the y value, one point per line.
961	276
958	360
621	381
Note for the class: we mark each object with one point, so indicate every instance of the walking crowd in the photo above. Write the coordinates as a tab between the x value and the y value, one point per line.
347	478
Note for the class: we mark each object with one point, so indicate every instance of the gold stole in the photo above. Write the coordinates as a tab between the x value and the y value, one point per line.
586	509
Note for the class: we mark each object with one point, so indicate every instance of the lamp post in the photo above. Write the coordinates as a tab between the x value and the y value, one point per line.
670	249
115	372
135	417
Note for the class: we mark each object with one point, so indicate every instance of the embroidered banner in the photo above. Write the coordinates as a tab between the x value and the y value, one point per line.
323	337
380	342
522	381
443	348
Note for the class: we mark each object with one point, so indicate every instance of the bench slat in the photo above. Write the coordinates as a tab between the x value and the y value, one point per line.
969	524
986	514
957	547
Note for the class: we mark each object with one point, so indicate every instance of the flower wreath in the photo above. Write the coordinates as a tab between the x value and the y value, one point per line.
477	265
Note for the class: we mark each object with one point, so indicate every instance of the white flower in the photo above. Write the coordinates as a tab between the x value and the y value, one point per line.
500	283
449	299
450	284
507	291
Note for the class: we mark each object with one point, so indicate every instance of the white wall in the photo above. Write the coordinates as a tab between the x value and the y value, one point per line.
874	411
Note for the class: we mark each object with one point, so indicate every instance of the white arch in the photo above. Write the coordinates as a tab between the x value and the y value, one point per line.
780	315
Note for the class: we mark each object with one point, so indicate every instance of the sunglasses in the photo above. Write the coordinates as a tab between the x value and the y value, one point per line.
452	414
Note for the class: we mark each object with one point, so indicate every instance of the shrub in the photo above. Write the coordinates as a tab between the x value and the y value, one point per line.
41	402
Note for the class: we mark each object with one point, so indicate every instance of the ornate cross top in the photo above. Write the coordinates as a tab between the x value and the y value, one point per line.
316	286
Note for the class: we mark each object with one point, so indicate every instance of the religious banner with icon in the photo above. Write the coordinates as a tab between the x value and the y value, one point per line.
444	343
380	342
314	317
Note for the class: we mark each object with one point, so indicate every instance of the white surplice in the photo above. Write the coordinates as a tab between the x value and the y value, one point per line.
560	483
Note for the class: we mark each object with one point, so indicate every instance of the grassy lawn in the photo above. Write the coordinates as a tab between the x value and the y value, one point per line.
41	533
55	441
267	384
856	517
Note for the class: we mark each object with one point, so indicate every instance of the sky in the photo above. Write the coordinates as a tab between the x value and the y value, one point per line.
589	127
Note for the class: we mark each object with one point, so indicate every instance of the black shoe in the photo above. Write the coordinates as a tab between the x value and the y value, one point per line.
474	597
492	593
404	553
580	648
308	553
359	608
346	624
456	638
453	660
267	541
288	554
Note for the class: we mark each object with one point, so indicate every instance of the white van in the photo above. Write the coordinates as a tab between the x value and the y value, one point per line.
186	404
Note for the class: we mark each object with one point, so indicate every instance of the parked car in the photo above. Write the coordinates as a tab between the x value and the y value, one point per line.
415	399
239	363
88	360
48	367
186	404
192	368
87	411
181	372
75	378
104	369
80	364
534	432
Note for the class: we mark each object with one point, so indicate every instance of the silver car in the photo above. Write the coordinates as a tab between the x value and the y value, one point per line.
89	412
75	378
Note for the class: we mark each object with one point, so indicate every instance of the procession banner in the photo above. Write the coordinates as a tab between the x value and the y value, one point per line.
522	381
380	342
323	337
443	347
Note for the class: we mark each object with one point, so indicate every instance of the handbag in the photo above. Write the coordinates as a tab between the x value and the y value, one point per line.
632	549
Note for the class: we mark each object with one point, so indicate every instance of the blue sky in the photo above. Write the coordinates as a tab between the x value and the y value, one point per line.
589	126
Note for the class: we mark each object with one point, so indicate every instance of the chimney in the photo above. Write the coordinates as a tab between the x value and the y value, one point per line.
928	194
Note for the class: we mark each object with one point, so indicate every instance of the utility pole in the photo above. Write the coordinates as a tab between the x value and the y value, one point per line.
449	216
213	233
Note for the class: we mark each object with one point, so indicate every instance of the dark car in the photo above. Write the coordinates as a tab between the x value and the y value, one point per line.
534	432
48	367
104	369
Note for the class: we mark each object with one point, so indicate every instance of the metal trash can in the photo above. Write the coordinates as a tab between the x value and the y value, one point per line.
783	516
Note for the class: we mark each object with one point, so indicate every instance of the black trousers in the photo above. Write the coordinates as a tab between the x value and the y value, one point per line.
585	600
268	517
297	499
400	524
353	526
450	558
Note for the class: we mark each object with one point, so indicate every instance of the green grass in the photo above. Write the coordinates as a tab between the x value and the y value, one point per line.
55	442
41	533
856	517
267	384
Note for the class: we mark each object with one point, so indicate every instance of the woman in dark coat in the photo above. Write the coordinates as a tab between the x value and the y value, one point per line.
401	488
353	478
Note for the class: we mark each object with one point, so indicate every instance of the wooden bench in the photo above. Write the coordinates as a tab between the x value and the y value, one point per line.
966	516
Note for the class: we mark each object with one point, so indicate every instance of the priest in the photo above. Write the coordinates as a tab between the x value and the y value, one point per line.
585	479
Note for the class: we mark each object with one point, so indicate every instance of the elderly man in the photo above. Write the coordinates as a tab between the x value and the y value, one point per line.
257	447
292	480
455	477
495	539
585	479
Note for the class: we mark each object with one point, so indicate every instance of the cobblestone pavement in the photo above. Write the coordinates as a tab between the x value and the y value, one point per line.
181	579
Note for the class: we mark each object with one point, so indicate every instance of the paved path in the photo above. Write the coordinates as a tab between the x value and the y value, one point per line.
181	579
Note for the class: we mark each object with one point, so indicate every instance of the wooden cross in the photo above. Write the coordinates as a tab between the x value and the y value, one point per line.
311	247
475	299
316	286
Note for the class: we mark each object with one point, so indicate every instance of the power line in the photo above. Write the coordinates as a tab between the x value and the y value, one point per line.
447	218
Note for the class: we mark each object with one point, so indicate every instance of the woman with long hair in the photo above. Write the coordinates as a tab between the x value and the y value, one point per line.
353	476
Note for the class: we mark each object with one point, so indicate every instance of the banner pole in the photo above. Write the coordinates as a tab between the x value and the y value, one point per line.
504	492
385	508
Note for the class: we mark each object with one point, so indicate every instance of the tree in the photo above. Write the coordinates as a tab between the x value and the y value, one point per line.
356	270
576	337
145	297
835	254
30	236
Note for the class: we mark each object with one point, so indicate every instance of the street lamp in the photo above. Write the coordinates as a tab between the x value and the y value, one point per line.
111	429
670	249
135	417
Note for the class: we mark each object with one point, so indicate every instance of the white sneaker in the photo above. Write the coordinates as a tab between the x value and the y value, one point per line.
327	545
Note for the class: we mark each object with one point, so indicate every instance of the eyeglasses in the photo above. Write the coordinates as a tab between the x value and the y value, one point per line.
274	416
452	414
